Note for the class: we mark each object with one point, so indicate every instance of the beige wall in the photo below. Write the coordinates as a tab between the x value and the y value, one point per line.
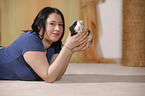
0	26
0	22
17	15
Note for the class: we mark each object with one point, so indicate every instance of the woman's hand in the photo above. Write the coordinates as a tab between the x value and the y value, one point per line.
82	47
77	42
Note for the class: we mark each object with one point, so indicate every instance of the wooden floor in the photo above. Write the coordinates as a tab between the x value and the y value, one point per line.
84	80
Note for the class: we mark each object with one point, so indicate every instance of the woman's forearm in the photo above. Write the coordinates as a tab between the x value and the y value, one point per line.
58	67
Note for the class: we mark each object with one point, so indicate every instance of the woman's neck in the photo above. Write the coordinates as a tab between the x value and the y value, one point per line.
46	44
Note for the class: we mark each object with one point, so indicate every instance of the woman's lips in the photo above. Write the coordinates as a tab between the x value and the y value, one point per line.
56	33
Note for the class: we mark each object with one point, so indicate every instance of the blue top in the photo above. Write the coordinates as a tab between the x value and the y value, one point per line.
12	63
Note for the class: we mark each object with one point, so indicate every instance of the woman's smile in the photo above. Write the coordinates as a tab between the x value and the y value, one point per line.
56	34
54	28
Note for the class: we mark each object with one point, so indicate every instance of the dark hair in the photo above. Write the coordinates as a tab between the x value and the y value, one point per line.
40	21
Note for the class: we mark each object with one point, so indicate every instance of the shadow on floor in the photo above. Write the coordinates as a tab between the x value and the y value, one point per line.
96	78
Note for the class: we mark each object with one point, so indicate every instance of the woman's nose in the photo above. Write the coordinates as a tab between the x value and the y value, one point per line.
57	28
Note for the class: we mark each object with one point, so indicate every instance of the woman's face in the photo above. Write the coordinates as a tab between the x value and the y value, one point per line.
54	28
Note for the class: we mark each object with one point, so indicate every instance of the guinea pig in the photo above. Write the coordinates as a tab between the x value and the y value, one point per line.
79	26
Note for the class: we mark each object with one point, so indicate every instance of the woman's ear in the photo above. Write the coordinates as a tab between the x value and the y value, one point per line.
38	27
40	32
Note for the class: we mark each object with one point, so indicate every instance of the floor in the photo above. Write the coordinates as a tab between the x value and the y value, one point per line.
84	80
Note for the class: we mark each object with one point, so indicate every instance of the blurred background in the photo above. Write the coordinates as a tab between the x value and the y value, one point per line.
102	17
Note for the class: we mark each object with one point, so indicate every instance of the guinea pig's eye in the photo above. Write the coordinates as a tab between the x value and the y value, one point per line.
79	28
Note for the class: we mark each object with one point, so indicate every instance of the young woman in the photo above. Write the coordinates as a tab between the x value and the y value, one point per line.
38	54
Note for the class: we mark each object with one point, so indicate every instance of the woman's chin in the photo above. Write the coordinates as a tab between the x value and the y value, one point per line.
55	40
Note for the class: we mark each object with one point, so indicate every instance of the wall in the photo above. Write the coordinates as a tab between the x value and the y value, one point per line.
110	19
0	22
110	16
17	15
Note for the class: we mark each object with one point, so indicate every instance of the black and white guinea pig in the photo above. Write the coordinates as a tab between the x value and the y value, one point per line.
79	26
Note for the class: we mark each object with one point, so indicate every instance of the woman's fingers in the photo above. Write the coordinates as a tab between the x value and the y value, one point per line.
80	34
84	37
77	40
82	47
86	46
85	40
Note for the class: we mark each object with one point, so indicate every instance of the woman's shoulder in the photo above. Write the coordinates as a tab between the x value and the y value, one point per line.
29	34
28	37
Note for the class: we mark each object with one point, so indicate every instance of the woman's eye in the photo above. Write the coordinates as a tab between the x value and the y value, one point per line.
60	24
52	24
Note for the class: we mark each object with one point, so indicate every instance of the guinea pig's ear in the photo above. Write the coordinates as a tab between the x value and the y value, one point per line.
82	22
72	28
74	21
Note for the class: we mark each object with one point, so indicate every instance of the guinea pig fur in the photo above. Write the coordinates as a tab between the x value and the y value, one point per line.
79	26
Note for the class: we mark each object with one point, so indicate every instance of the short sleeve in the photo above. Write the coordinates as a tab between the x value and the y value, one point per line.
32	43
57	51
57	47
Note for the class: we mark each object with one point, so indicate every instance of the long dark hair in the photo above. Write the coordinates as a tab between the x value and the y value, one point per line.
40	22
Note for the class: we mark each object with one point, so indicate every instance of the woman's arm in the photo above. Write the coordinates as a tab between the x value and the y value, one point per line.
39	63
65	67
61	57
62	71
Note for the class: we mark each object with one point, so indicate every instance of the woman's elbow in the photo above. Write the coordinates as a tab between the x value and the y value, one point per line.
49	80
52	80
58	78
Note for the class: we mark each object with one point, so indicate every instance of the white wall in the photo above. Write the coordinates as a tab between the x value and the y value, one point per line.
110	18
